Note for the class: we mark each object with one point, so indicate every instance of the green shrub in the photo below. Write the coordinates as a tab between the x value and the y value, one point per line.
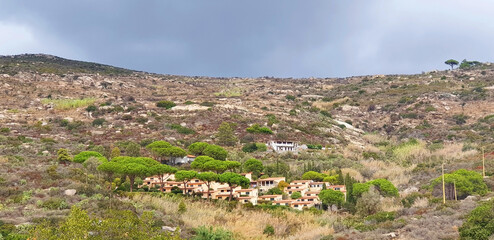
274	191
63	155
314	146
207	104
326	113
255	128
460	118
83	156
290	97
205	233
54	204
249	147
181	129
182	207
75	125
406	100
381	217
165	104
409	115
268	230
467	182
91	108
127	117
296	195
479	224
98	121
384	187
409	200
142	120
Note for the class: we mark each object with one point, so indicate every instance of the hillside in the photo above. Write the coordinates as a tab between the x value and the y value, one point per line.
397	127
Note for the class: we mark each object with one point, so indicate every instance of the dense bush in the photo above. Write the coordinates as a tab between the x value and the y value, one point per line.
467	182
205	233
54	204
165	104
314	146
98	121
253	147
274	191
116	224
181	129
296	195
479	224
381	217
255	128
290	97
83	156
384	187
331	197
460	119
268	230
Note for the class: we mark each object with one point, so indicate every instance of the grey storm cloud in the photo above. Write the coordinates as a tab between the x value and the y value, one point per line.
283	38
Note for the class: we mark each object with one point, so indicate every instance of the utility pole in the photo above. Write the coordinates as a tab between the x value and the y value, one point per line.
483	162
444	191
454	186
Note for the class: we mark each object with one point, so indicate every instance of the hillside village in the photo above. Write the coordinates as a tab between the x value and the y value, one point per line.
256	192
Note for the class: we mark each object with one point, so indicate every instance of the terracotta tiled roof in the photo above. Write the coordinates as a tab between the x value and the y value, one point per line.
244	197
245	190
301	181
283	201
270	196
270	179
312	192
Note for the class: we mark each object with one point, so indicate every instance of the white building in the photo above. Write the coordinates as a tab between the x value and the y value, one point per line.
183	160
286	146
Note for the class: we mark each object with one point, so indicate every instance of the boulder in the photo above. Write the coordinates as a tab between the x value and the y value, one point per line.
169	229
70	192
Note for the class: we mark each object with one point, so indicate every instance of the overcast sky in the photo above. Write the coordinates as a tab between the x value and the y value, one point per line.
283	38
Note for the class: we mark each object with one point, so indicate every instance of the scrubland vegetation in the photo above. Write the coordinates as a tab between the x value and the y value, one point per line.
63	127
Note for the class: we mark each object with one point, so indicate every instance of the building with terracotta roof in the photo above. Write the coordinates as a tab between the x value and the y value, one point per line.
267	183
283	203
271	197
318	186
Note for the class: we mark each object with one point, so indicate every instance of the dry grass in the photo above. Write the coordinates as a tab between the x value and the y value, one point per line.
374	138
398	175
391	204
245	224
352	151
329	105
353	173
421	203
453	151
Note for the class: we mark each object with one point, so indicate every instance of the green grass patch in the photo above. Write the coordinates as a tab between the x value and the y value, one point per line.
65	104
234	92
